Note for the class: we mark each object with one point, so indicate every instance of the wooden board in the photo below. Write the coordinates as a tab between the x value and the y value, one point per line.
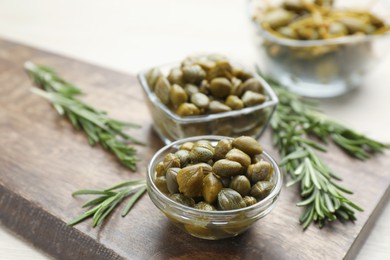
43	160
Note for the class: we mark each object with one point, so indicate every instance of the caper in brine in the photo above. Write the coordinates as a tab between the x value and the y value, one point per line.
161	184
218	107
222	148
190	180
191	89
152	76
211	187
248	145
184	157
249	200
200	100
234	102
160	169
251	98
172	185
193	74
220	87
187	146
252	84
260	171
171	160
180	198
229	199
238	156
241	184
226	168
177	95
201	154
204	206
163	89
175	76
187	109
262	189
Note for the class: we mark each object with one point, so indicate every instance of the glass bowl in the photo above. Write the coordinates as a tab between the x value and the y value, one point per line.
210	225
250	121
319	68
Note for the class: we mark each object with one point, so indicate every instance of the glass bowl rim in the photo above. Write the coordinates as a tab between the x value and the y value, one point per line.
271	102
257	206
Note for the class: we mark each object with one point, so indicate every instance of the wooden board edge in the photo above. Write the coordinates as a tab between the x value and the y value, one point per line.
367	227
47	232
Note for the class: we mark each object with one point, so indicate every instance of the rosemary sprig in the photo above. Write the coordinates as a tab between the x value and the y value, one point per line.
95	123
294	122
108	199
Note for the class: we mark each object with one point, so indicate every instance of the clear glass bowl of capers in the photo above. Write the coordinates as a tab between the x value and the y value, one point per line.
320	48
239	184
206	95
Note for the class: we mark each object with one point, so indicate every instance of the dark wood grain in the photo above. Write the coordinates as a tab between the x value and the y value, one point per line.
43	160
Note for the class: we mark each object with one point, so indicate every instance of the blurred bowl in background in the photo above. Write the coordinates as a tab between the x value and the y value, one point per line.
318	68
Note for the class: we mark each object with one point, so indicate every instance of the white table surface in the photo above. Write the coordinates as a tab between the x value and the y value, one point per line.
131	35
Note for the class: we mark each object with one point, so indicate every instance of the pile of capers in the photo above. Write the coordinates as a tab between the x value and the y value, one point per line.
317	19
227	176
206	85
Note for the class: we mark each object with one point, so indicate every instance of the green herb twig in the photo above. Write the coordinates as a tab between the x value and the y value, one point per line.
96	124
294	122
107	200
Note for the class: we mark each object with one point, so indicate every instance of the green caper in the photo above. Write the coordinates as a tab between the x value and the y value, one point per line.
262	189
180	198
190	180
251	98
175	76
229	199
163	89
204	206
277	17
234	102
241	184
249	200
160	169
177	95
226	168
248	145
200	100
201	154
191	89
222	68
260	171
252	84
152	76
193	74
211	187
187	109
184	157
171	160
237	89
161	184
241	74
187	146
218	107
222	148
172	185
238	156
220	87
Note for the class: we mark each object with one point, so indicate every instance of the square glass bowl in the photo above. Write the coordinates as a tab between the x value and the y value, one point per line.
319	68
211	225
250	121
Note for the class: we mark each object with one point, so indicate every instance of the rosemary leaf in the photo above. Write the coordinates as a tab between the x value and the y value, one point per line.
98	127
294	122
110	199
